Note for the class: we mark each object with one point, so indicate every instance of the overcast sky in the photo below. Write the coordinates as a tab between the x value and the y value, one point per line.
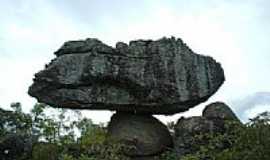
234	32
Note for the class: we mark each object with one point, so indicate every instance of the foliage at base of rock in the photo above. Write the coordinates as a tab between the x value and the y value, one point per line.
45	151
16	146
243	142
94	145
235	142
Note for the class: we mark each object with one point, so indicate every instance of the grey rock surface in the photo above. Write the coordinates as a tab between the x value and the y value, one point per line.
185	131
159	77
145	134
213	121
219	110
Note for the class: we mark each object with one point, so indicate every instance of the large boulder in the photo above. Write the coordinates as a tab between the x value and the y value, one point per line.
143	133
157	77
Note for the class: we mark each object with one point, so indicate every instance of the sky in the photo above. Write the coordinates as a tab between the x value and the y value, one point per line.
235	32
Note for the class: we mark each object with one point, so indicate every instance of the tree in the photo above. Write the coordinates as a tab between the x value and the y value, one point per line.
38	117
15	121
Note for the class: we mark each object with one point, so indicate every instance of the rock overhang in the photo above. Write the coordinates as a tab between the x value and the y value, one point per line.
157	77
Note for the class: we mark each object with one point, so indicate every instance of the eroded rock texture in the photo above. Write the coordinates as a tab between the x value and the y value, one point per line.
145	134
157	77
219	110
216	116
186	130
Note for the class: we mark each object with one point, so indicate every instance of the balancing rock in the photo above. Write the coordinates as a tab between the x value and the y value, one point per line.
145	76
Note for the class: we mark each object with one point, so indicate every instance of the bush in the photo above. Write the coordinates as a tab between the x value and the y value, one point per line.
93	136
94	145
168	155
239	142
45	151
252	141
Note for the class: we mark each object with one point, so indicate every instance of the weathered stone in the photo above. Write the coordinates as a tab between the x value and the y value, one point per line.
145	134
89	45
219	110
185	131
158	77
213	121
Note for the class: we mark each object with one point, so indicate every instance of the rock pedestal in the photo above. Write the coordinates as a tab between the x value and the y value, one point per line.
143	133
136	80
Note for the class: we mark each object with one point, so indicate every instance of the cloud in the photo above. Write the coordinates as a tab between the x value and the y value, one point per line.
233	32
250	106
28	38
36	27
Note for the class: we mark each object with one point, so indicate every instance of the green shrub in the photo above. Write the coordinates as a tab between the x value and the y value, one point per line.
191	157
250	142
239	142
84	157
45	151
168	155
94	135
67	157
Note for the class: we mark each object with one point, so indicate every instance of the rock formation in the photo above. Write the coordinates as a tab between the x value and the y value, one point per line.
219	110
157	77
185	131
145	133
136	80
212	120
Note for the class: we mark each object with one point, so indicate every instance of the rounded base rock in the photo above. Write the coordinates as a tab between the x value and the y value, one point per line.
147	135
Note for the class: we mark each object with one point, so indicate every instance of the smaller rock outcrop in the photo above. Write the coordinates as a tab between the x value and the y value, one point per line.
145	134
213	120
219	110
185	131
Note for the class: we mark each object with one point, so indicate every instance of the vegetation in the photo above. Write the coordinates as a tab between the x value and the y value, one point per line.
67	136
239	142
63	134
